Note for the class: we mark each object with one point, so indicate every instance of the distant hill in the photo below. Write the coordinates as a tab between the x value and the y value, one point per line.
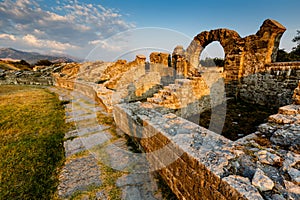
33	57
14	65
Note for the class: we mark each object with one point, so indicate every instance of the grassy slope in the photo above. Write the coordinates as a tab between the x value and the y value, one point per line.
31	142
10	65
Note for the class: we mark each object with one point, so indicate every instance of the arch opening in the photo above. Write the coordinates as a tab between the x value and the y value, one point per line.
212	56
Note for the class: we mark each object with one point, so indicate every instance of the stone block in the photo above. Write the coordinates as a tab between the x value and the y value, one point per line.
160	58
289	110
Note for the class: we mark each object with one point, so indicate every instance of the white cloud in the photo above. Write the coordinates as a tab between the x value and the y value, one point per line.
32	40
67	25
94	42
105	45
38	32
110	47
7	36
35	42
55	17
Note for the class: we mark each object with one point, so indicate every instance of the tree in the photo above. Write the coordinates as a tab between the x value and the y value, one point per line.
211	62
283	56
219	62
297	38
294	55
208	62
43	63
23	62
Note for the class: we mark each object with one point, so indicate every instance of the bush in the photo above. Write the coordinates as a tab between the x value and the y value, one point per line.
43	63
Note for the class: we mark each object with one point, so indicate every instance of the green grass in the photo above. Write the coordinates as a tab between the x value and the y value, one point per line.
32	128
109	176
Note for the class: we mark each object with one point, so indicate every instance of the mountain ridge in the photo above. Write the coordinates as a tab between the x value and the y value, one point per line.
33	57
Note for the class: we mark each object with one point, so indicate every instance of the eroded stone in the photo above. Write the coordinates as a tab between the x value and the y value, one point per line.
293	190
78	174
267	157
295	174
243	186
261	181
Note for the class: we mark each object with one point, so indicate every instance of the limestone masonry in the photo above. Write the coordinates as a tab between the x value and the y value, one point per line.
149	101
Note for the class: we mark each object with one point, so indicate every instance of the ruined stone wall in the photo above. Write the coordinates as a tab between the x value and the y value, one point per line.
94	91
136	84
191	159
27	81
188	97
132	85
160	58
199	164
182	64
184	98
243	56
24	78
274	87
168	74
121	66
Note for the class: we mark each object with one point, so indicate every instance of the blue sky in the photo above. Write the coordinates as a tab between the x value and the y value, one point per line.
111	29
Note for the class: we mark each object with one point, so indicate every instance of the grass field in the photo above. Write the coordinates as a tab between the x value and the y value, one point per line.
32	128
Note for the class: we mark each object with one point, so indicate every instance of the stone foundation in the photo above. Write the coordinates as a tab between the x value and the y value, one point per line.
274	87
24	78
200	164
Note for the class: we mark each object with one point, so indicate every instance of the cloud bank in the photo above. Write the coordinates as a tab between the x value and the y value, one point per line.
64	26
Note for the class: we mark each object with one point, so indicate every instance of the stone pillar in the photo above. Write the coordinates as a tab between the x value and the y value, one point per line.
179	61
159	58
140	59
261	48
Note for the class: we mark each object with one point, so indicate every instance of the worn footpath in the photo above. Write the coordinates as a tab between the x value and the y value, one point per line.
99	163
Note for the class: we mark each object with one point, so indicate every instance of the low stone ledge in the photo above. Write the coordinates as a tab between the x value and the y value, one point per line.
290	109
280	64
92	90
193	162
44	81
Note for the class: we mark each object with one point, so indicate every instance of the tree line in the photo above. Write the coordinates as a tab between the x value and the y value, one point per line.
211	62
294	55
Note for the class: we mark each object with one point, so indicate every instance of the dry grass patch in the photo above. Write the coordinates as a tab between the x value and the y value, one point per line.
32	128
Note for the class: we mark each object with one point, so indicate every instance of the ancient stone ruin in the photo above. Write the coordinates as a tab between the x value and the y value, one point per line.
243	56
150	102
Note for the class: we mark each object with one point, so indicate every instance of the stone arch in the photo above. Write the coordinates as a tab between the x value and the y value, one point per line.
226	38
243	56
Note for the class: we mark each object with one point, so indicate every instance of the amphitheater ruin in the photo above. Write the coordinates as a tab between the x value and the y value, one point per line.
151	103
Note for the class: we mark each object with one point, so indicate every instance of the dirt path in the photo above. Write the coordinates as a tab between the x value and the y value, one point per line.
99	164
